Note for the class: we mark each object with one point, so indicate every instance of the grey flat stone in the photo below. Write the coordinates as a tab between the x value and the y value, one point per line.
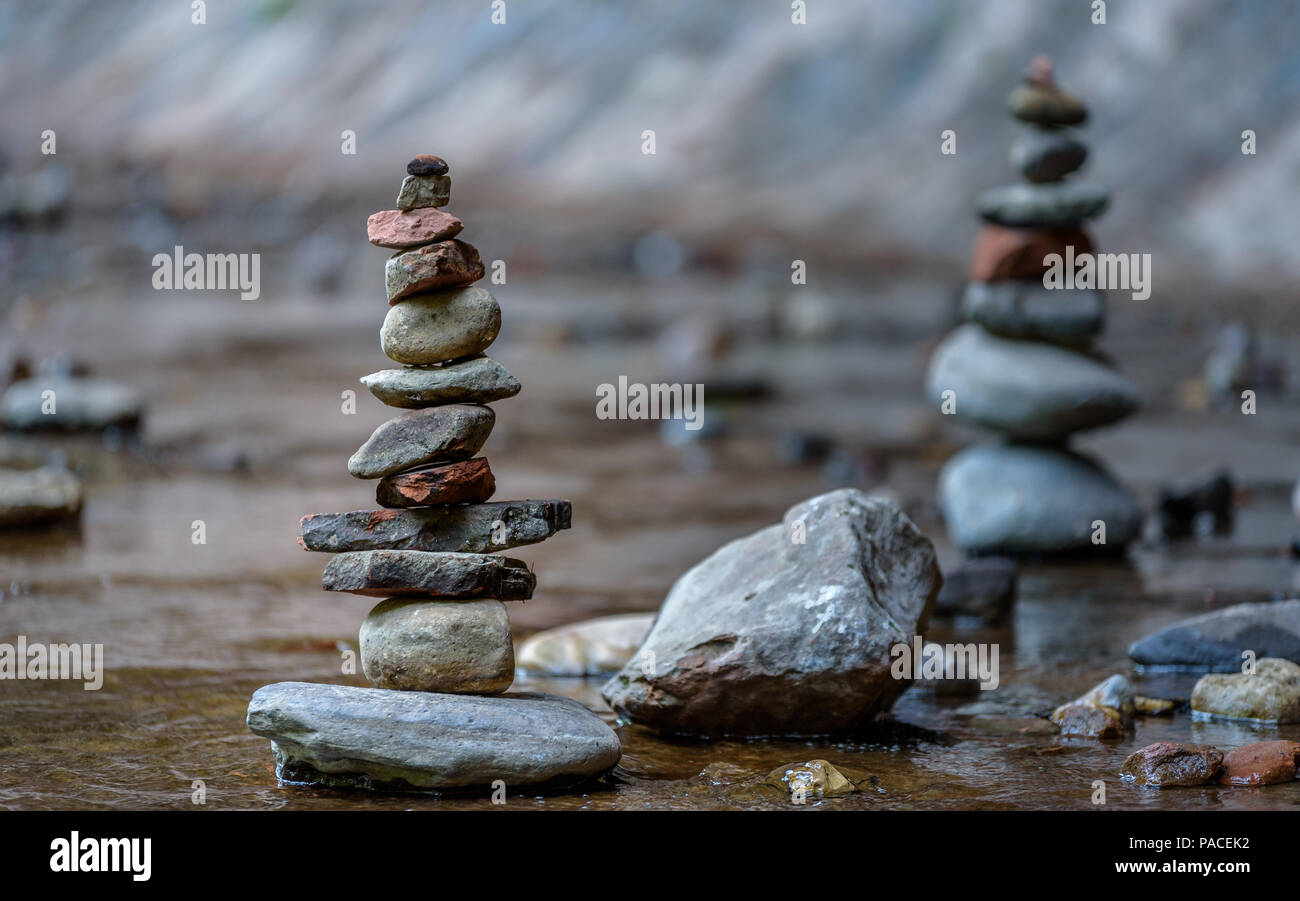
775	635
77	403
1215	641
1046	155
466	529
429	574
444	434
1054	205
1027	310
475	381
1026	390
435	328
373	738
1019	499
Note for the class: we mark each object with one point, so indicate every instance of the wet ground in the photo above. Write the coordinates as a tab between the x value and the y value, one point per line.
245	432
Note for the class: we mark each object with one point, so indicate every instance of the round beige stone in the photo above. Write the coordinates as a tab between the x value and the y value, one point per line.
435	328
417	644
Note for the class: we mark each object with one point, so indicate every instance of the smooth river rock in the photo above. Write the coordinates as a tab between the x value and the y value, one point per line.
1105	711
433	574
1271	694
470	482
1047	154
468	529
373	738
1214	642
77	403
33	497
435	328
1024	389
432	435
788	630
813	779
1045	104
478	380
1059	204
1021	499
432	267
410	644
1165	765
400	229
594	647
1027	310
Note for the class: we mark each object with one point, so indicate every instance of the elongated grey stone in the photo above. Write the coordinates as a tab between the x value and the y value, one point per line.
382	574
1053	205
1027	310
432	435
467	529
374	738
1215	641
475	381
1028	390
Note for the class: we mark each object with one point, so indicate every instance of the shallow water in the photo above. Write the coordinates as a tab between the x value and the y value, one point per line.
246	434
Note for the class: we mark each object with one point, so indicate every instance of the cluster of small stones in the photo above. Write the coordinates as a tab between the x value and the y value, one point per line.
1023	365
441	632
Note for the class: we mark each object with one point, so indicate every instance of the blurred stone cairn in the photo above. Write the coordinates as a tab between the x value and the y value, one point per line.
1023	364
438	647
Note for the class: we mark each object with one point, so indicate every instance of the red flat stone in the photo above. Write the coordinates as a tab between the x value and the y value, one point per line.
1263	763
1016	254
400	229
470	482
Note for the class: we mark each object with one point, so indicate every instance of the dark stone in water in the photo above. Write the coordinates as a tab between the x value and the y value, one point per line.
1214	642
1165	764
984	588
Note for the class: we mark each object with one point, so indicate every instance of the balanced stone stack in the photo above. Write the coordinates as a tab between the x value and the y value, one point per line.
1023	364
438	647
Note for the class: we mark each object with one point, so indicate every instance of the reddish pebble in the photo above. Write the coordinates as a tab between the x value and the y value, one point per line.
400	229
470	482
1263	763
1016	254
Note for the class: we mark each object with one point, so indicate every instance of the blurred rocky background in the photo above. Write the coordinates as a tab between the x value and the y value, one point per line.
773	140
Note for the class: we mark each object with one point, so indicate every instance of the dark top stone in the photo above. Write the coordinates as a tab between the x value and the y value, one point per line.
427	164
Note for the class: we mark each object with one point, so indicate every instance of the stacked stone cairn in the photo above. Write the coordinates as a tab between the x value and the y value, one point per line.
1023	364
438	647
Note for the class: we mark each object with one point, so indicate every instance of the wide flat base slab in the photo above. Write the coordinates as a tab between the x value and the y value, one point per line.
383	740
